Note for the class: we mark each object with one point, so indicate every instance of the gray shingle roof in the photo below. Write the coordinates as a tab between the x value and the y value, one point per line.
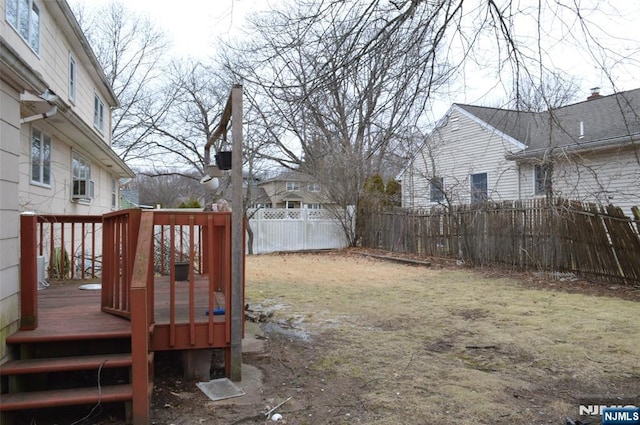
612	119
290	175
513	123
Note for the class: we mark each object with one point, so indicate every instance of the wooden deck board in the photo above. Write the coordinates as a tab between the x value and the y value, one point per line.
64	364
67	313
56	398
162	307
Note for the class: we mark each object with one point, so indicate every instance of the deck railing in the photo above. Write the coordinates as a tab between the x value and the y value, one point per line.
55	247
129	250
201	242
142	319
119	240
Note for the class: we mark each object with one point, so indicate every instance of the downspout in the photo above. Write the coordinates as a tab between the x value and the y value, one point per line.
51	112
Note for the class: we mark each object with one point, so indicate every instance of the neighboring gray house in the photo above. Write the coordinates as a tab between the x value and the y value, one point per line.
588	151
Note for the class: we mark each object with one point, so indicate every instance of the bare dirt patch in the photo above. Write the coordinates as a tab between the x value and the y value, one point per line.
361	340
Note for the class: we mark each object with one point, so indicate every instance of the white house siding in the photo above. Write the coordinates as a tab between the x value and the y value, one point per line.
9	213
70	129
454	156
52	63
56	199
57	41
606	177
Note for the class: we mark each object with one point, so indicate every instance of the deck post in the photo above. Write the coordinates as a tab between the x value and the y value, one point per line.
141	322
28	272
237	250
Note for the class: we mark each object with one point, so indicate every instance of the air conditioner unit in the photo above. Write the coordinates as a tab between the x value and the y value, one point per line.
82	189
42	282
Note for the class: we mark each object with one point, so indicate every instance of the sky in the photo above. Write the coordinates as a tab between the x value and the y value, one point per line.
196	24
193	26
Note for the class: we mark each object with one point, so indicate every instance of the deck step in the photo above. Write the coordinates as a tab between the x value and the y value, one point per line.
63	364
71	397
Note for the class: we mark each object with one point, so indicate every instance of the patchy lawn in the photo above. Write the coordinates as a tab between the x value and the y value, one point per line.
361	340
391	343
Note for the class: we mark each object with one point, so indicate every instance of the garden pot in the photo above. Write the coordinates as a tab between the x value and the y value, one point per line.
223	160
181	271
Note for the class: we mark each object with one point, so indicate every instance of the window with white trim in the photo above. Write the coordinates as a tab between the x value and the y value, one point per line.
436	189
73	70
114	194
478	188
291	204
40	157
293	186
543	174
82	183
313	187
98	113
24	17
313	206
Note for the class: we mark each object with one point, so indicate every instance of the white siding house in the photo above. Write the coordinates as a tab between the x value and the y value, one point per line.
588	151
55	128
462	161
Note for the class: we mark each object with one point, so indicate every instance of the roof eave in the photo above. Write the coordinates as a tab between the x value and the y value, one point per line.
77	32
592	146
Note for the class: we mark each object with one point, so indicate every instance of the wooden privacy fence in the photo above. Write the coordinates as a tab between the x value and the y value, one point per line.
556	236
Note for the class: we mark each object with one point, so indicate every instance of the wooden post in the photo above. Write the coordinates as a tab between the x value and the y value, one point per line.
28	272
140	320
237	251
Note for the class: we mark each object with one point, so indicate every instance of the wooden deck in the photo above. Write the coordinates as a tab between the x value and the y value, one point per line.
68	313
135	313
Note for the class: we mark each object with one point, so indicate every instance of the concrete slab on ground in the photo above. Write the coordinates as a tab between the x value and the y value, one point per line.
220	389
251	384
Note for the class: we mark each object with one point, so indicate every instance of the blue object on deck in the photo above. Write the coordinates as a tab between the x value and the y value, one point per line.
218	311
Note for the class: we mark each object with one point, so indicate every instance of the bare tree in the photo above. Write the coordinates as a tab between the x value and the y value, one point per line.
164	188
550	91
326	112
132	53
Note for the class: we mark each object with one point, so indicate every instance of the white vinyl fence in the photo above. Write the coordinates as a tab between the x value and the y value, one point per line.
276	229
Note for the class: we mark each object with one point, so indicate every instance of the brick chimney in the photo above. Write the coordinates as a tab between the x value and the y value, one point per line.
595	93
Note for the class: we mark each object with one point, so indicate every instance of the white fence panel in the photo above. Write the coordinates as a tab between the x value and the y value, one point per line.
277	230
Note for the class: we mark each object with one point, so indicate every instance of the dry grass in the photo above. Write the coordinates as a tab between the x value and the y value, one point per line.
450	345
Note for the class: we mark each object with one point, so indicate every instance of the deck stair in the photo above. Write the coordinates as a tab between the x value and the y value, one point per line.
49	375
